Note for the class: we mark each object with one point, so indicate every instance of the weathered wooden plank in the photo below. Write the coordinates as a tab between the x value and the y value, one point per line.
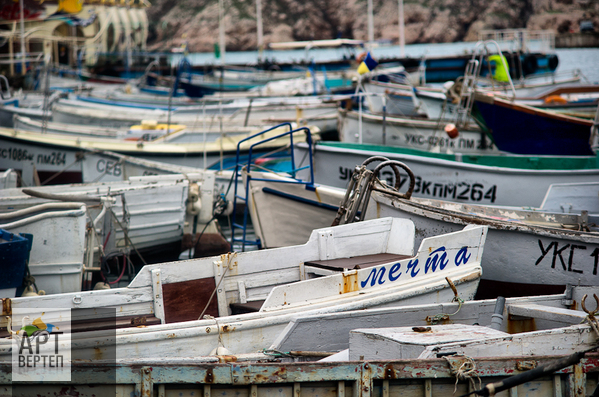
185	301
554	314
157	295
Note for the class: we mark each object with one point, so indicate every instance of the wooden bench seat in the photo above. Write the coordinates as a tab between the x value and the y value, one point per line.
356	262
248	307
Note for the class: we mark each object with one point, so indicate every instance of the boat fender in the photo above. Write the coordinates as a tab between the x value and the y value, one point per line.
455	91
194	204
452	131
29	291
221	351
556	99
101	285
149	124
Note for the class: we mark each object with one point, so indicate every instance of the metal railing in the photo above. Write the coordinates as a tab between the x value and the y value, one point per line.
240	166
521	39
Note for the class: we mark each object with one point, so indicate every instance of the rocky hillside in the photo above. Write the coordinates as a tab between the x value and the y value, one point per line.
426	21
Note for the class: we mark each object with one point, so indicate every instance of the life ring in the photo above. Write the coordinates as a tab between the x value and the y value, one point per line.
555	99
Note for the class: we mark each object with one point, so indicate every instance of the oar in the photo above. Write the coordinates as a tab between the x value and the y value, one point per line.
493	388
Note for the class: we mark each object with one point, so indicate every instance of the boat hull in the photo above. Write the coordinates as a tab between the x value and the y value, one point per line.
441	178
518	260
410	133
523	130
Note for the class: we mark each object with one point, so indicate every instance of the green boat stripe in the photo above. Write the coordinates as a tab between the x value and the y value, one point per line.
558	163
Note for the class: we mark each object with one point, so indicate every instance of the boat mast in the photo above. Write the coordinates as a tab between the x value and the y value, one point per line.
259	26
22	23
370	25
221	30
402	37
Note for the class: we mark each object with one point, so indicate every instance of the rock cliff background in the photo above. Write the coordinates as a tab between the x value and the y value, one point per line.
426	21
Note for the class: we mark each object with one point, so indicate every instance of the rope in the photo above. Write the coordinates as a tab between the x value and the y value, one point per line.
590	318
464	368
127	237
215	289
438	318
78	159
593	322
276	353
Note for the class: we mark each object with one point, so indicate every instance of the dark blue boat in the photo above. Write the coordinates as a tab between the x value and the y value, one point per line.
524	129
14	255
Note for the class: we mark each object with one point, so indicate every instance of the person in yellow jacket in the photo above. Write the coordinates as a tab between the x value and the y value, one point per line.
502	70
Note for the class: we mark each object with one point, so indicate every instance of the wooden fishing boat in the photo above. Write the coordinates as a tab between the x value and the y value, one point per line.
432	377
243	112
544	369
58	231
546	249
144	217
574	100
530	251
14	249
148	131
400	98
414	133
511	316
271	287
62	154
495	179
523	129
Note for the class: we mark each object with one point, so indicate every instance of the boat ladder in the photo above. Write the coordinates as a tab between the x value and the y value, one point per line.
362	182
471	75
466	99
243	175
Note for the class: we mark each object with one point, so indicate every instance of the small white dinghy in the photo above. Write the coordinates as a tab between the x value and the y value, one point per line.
530	250
144	216
366	265
57	254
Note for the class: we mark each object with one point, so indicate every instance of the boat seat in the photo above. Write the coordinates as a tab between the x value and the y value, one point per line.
115	323
101	324
248	307
356	262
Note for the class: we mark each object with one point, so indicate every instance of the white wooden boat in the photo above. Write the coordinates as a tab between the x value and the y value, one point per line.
434	377
62	154
414	133
495	179
546	249
530	251
145	217
400	100
286	372
57	256
283	279
257	112
521	317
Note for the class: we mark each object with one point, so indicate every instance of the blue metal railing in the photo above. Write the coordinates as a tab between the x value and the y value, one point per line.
237	174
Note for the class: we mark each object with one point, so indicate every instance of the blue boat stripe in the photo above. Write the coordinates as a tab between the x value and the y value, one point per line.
300	199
